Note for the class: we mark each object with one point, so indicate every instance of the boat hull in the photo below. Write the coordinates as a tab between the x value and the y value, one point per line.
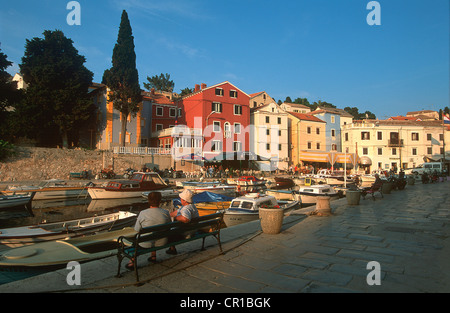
233	217
14	201
97	193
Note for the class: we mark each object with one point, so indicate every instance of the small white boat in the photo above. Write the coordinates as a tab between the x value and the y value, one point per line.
57	254
25	235
14	201
332	177
250	181
246	208
50	189
308	194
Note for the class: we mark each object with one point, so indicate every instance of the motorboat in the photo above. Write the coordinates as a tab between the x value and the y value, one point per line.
283	194
309	194
133	187
220	188
246	208
50	189
250	181
208	202
329	177
18	236
283	183
9	201
57	254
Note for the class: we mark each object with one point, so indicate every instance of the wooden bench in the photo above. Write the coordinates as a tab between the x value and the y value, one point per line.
204	226
372	190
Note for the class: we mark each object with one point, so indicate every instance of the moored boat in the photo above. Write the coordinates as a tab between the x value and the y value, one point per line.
17	236
250	181
50	189
283	183
309	194
283	194
246	208
208	202
14	201
129	188
57	254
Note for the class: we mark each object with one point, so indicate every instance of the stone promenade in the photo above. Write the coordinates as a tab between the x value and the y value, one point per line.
406	233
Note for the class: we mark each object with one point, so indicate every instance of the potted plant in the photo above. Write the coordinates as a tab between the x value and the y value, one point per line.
271	218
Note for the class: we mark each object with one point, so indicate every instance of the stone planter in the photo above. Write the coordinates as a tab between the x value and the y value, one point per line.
271	220
323	205
353	197
386	188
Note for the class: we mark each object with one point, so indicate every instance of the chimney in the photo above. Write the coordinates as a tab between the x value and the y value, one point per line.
197	88
203	86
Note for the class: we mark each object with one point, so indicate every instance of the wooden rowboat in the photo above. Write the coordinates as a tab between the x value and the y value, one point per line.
19	236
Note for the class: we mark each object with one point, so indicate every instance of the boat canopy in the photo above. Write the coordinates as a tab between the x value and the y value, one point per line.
205	196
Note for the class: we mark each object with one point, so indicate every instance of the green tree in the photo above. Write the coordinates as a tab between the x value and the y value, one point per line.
57	98
186	91
122	78
161	82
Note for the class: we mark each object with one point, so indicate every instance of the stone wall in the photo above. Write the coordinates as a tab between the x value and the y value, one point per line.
35	164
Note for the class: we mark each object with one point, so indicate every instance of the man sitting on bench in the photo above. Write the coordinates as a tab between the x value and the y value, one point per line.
187	213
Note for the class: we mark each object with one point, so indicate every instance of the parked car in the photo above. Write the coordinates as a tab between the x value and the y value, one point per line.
429	168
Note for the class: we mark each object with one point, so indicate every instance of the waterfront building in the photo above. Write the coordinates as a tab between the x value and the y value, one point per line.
386	144
335	119
259	99
269	135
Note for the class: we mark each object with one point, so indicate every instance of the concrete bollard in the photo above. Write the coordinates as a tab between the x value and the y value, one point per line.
323	205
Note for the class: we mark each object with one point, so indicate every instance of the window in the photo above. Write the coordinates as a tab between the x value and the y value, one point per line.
159	111
233	94
333	147
308	130
318	145
346	136
216	145
380	151
333	133
237	128
317	131
216	107
279	120
309	145
227	130
365	151
237	109
219	92
379	135
237	146
333	119
429	150
414	151
216	128
267	131
394	151
415	136
279	147
267	119
279	133
429	137
267	146
159	127
180	111
441	137
172	112
365	136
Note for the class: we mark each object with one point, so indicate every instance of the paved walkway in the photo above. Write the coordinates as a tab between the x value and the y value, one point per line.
406	232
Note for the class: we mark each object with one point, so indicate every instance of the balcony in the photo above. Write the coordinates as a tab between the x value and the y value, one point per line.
395	143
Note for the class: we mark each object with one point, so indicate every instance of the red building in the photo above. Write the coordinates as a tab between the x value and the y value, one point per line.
219	116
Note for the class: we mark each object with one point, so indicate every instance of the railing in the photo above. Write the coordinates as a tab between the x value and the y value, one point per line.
142	150
395	143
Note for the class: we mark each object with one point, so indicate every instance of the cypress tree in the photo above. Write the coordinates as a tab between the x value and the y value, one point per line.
122	78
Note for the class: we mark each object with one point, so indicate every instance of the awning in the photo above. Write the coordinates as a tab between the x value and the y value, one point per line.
232	156
365	161
328	157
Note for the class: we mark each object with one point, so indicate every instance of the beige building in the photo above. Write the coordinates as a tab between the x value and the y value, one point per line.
259	99
306	134
394	143
269	136
295	107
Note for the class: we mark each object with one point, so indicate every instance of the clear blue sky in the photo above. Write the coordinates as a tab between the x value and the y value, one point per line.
318	49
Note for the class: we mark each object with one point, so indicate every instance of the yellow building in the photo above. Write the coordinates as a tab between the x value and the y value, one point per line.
306	134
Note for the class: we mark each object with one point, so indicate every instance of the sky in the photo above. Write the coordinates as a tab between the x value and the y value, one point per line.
315	49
